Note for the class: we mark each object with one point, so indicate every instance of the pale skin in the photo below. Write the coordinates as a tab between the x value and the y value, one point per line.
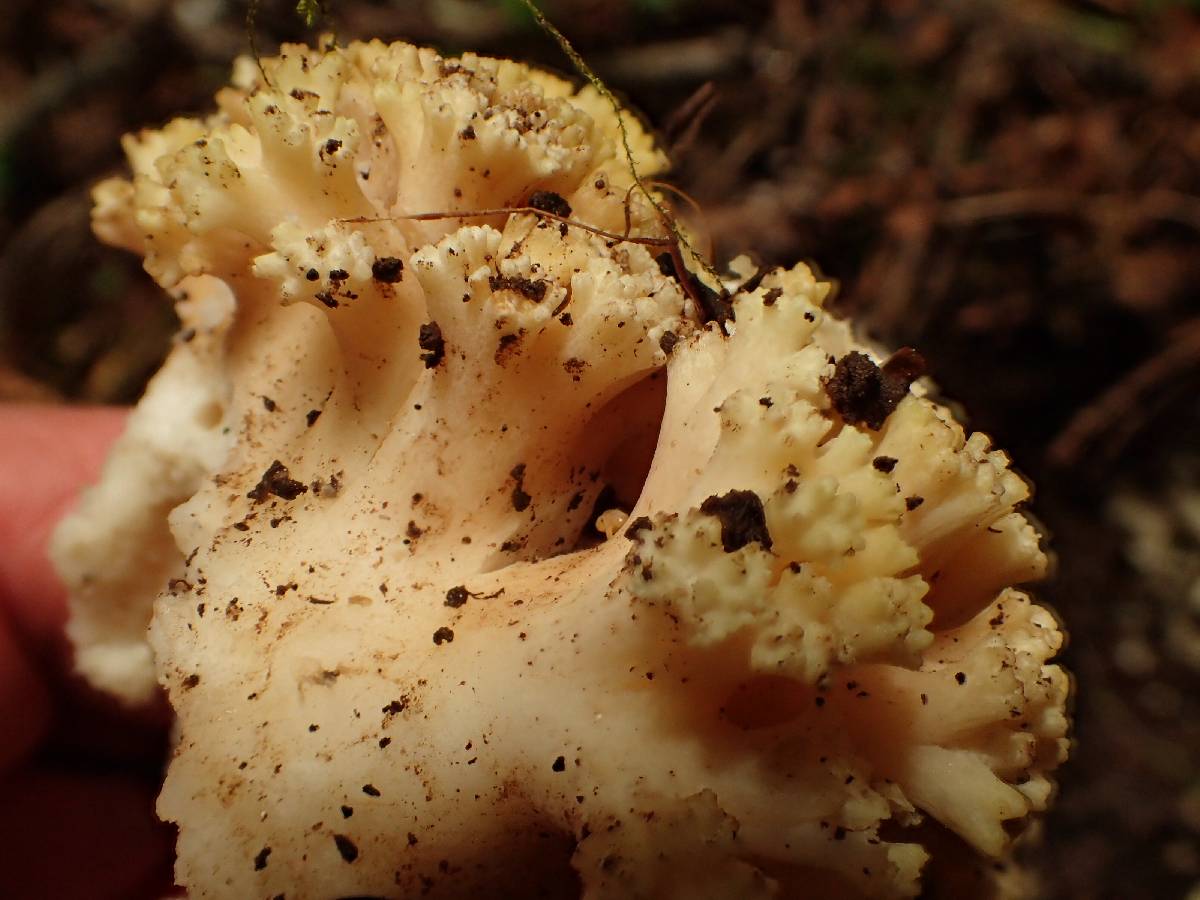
77	774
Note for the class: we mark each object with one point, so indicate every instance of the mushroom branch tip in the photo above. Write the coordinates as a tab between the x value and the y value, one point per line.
478	556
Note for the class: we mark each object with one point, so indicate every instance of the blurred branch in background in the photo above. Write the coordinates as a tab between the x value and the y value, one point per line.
1013	186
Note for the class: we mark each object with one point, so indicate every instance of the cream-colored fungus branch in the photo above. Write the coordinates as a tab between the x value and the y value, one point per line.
352	527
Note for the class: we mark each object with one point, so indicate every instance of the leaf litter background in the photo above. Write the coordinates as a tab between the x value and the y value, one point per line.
1011	186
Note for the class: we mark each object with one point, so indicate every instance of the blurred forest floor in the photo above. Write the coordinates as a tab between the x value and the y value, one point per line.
1011	186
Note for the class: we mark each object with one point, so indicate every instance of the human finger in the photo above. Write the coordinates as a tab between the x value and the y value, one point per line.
47	456
72	834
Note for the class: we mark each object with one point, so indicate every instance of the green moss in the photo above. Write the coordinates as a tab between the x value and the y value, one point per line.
311	11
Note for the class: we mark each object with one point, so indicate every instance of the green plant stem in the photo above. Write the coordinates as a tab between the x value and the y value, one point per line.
585	70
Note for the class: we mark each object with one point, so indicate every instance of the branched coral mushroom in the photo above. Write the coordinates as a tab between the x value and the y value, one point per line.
356	509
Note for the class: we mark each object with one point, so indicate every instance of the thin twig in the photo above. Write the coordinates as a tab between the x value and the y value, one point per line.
683	126
1121	399
972	210
691	201
252	39
1160	205
506	211
711	305
586	71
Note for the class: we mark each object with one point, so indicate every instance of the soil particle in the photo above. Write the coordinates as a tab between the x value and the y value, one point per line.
388	269
864	393
506	347
346	847
884	463
277	481
640	524
431	341
548	201
743	520
520	499
526	287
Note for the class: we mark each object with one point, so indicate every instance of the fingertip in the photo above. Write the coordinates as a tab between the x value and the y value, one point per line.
48	455
72	834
